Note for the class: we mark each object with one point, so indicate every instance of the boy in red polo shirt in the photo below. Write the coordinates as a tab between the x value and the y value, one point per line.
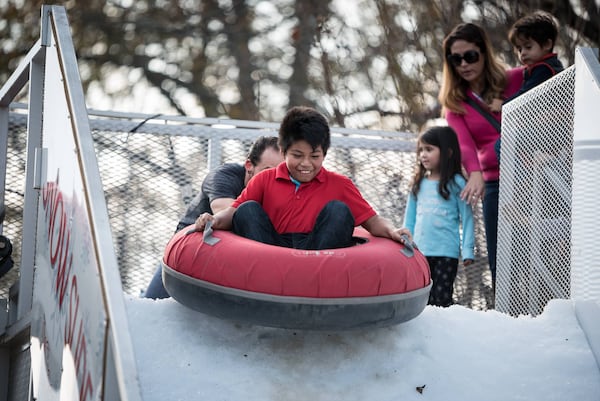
299	204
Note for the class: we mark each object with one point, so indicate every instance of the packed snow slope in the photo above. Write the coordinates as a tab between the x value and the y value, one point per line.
442	355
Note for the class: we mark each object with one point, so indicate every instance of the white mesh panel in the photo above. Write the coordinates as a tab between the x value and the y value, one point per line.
534	220
585	255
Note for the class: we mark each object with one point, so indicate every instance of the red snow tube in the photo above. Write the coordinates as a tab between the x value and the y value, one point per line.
377	282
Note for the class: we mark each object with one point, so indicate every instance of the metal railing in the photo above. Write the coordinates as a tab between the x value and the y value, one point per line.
151	166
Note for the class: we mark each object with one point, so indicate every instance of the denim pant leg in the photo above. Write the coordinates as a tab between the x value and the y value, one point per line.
333	229
497	147
156	289
251	221
490	220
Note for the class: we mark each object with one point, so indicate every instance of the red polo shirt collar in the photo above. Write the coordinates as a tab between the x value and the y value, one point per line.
282	173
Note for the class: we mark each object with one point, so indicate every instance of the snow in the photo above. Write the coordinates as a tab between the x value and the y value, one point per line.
448	353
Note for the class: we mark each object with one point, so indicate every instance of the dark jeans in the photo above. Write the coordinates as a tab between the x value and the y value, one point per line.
497	147
156	289
490	221
443	273
333	229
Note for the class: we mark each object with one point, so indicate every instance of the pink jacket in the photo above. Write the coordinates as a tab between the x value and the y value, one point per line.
477	136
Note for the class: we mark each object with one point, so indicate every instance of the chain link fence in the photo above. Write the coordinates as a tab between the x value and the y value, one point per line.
151	166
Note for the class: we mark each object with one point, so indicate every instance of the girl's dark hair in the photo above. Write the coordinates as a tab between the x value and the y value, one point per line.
450	161
259	146
304	123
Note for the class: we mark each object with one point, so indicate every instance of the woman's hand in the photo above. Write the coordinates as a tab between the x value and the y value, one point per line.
474	189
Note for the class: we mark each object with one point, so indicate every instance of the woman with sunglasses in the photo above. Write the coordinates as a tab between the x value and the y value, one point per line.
472	71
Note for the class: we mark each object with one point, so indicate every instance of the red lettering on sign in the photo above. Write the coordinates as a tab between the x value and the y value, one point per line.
58	217
72	312
86	388
80	355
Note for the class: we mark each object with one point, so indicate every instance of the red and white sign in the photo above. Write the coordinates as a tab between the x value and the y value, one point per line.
69	319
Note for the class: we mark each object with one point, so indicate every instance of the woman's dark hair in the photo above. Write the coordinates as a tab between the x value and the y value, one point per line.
259	146
468	32
450	161
453	90
304	123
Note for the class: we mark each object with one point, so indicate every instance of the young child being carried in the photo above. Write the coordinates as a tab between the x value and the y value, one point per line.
435	211
533	38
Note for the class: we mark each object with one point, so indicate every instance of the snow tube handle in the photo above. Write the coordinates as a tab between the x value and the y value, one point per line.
207	236
409	246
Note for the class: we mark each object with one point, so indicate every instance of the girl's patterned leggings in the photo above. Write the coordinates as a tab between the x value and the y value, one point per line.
443	272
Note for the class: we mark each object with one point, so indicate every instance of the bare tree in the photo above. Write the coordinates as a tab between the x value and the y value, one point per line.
365	63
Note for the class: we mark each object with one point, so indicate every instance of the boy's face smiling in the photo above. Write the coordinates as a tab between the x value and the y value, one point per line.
303	162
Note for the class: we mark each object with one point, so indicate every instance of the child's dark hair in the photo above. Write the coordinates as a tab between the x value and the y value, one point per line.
539	26
259	146
450	161
304	123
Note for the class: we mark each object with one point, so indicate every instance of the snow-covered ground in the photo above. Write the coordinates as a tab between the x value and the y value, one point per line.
442	355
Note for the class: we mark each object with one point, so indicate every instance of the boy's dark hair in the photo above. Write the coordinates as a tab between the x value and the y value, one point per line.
304	123
539	26
259	146
450	159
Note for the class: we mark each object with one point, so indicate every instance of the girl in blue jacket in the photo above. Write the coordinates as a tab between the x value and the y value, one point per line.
440	221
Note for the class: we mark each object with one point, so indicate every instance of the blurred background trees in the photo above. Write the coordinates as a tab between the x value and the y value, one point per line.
364	63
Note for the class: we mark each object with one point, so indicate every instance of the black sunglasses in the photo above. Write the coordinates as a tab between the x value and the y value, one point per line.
470	56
